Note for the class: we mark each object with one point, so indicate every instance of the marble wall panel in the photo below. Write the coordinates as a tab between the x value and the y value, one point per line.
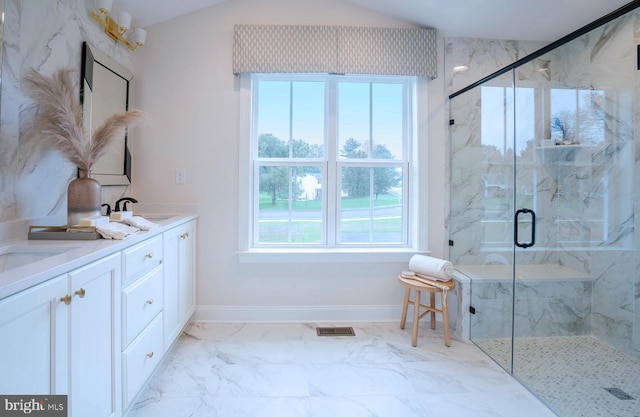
493	303
481	57
635	339
45	36
556	308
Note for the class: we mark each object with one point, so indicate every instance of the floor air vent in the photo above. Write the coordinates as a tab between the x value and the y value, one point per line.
618	393
335	331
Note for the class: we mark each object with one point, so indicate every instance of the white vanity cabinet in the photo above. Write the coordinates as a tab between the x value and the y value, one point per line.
179	279
34	328
95	330
59	338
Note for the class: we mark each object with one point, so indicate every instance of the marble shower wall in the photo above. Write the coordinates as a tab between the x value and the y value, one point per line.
542	308
46	36
584	194
601	174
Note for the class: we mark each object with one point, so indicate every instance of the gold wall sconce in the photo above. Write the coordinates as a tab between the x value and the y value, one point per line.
120	30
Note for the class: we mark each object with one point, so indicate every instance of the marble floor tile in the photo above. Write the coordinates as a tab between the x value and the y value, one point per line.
283	370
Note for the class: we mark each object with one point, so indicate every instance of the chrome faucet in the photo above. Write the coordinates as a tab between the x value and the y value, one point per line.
125	200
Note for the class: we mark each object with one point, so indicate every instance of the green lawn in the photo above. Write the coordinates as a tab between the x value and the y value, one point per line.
301	232
347	202
311	232
276	231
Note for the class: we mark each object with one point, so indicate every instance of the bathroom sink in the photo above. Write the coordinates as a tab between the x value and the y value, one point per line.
155	218
15	256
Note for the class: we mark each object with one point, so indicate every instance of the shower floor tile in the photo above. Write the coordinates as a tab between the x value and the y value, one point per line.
570	373
285	370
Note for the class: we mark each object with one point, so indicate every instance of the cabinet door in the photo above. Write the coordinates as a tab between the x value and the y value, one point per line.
170	312
33	325
186	265
179	287
95	339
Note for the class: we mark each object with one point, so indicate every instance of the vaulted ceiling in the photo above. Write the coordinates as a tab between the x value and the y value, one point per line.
536	20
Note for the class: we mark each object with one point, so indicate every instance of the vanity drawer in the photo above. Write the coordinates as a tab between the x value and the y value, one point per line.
142	256
140	359
141	302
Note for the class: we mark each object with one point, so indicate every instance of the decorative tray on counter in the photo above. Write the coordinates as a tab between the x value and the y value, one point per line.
62	233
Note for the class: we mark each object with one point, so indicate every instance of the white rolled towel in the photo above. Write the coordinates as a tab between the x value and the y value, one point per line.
434	268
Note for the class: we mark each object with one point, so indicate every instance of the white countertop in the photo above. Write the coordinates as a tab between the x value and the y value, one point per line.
81	252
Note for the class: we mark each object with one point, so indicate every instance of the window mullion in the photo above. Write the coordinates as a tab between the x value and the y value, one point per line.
290	138
371	205
256	201
332	190
405	209
289	204
370	156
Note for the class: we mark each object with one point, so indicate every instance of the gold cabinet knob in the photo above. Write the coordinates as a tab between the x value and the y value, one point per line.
149	301
66	299
149	255
80	293
150	355
184	235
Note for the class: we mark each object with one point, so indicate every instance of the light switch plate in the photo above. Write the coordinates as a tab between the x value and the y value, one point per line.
181	176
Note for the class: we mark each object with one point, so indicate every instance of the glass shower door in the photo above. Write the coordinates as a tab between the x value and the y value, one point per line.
482	173
535	217
574	174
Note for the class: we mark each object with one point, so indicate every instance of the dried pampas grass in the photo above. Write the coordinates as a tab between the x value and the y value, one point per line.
59	119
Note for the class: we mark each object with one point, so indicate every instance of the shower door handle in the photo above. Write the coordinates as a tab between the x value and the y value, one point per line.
516	226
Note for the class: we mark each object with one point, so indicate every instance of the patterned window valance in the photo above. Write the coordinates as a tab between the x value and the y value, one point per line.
334	49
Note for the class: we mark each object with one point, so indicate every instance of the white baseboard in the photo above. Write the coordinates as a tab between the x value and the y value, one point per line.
296	314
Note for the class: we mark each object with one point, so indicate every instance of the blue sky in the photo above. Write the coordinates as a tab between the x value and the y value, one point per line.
307	122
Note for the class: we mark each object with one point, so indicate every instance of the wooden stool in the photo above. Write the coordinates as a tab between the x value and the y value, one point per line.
420	284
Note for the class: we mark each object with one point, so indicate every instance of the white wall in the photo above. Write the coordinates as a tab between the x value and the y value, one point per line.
184	81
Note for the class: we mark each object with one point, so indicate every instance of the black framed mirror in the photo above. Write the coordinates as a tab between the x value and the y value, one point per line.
106	88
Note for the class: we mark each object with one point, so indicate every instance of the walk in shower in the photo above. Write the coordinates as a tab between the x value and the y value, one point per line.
545	205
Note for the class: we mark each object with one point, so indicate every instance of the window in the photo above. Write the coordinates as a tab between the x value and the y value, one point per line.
577	116
330	161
